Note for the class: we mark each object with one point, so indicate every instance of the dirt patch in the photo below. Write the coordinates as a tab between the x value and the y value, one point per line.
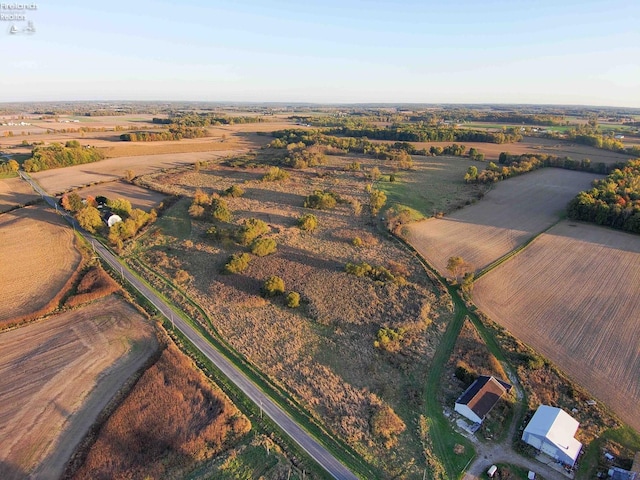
572	295
138	196
39	258
58	375
510	214
173	419
15	192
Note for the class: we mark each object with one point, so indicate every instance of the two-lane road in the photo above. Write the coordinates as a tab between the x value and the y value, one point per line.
321	455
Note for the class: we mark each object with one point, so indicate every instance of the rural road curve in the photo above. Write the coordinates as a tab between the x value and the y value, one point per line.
321	455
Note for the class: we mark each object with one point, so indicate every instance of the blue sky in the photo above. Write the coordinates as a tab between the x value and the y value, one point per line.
457	51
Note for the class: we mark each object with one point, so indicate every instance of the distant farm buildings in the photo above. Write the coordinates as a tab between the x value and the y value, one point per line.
110	218
552	430
478	400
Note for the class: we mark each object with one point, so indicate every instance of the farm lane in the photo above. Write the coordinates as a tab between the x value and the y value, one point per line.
324	458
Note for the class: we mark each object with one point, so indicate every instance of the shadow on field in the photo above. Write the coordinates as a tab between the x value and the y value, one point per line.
11	472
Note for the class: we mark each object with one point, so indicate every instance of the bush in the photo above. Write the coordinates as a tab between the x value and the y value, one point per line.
357	242
377	199
308	222
263	246
321	200
234	191
273	286
275	174
237	263
196	210
386	424
251	229
354	167
293	300
389	339
220	210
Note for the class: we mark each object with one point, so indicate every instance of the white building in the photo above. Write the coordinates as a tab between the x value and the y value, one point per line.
552	430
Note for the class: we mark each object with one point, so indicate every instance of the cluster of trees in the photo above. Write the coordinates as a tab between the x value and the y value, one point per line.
205	119
176	132
58	155
9	168
377	273
591	135
416	132
512	165
321	200
613	201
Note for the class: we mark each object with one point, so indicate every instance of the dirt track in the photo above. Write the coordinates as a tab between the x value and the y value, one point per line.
56	376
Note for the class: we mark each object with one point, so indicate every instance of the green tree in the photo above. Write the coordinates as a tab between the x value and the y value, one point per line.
273	286
237	263
89	219
472	174
120	206
251	229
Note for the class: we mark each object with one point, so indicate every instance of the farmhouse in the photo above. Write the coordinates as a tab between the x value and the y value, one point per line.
552	430
477	400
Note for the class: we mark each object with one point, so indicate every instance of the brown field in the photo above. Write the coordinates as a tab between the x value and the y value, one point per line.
60	180
573	296
511	213
138	196
172	420
15	192
323	352
547	146
38	259
57	375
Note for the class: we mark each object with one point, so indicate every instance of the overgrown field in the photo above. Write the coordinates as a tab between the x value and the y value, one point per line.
572	295
356	350
173	420
510	214
39	258
57	375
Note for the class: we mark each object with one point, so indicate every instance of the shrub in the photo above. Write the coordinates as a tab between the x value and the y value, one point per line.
308	222
251	229
386	424
377	199
389	339
237	263
378	273
357	242
354	167
293	300
201	198
374	173
196	210
181	277
273	286
234	191
275	174
220	210
263	246
321	200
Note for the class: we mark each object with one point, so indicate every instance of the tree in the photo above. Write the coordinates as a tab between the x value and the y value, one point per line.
71	202
321	200
377	199
237	263
374	173
273	286
120	206
89	219
293	300
472	174
457	266
308	222
263	247
251	230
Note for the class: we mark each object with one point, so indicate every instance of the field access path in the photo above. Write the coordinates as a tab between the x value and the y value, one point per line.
316	451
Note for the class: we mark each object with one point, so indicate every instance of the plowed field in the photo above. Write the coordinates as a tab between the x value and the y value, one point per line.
511	213
573	296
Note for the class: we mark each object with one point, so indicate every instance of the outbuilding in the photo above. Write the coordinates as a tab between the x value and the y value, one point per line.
551	430
481	396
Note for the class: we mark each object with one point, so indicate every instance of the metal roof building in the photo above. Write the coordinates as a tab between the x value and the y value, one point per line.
552	430
481	396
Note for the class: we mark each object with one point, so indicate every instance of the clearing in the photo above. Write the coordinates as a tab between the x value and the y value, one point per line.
573	296
510	214
39	258
57	375
15	192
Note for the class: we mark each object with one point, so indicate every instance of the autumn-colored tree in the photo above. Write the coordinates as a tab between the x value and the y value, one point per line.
89	219
71	202
377	199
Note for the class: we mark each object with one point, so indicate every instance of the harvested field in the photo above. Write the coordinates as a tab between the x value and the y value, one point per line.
60	180
510	214
57	375
322	352
138	196
540	145
15	192
573	296
39	258
172	420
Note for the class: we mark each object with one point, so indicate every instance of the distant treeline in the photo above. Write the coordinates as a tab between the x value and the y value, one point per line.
56	155
425	133
509	117
513	165
176	132
205	120
613	201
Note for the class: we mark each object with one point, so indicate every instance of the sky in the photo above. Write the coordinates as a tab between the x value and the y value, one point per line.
332	51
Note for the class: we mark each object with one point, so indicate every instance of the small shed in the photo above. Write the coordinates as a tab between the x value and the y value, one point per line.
110	218
551	430
481	396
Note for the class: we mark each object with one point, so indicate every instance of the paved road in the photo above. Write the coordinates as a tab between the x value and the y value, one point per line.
282	419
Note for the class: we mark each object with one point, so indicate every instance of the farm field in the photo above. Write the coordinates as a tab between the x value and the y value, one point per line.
138	196
15	192
39	257
511	213
60	180
174	419
57	375
573	296
323	352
